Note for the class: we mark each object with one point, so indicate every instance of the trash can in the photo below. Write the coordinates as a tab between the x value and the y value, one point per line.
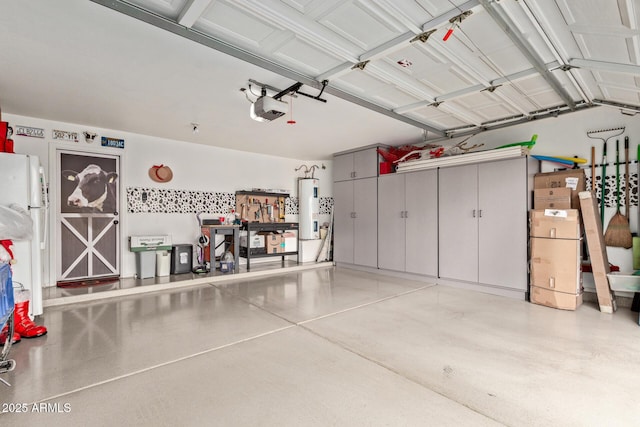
145	248
163	263
145	265
181	259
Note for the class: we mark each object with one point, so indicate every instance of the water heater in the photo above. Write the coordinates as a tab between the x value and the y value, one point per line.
309	209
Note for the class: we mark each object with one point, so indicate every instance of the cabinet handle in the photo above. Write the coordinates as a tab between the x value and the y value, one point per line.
480	213
406	214
354	174
474	213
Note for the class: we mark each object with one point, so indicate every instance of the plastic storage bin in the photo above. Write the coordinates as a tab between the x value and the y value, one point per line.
181	259
227	263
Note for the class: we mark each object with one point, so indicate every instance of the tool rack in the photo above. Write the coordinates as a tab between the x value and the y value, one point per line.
6	318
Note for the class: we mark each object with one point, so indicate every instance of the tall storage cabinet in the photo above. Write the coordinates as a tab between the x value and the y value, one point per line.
355	191
408	222
483	223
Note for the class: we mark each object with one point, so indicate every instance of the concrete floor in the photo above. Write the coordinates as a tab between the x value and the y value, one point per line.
321	347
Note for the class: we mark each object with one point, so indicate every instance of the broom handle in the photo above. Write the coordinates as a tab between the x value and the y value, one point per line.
618	175
604	179
593	169
626	177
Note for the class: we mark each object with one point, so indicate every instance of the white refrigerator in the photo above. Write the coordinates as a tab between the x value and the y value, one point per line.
23	183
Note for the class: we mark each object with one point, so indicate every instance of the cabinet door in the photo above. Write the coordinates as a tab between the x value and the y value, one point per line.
343	222
343	167
391	223
365	163
365	243
502	234
421	201
458	223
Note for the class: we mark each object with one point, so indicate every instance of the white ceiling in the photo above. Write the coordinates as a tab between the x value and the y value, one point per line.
155	66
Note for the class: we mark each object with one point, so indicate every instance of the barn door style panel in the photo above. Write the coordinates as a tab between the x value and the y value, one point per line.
87	216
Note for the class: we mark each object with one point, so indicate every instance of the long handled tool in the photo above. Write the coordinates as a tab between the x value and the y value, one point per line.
593	169
618	233
627	202
604	181
592	134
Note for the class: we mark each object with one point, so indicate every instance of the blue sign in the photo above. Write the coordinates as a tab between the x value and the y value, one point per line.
112	142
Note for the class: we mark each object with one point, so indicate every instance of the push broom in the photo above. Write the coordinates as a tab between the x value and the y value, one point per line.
618	233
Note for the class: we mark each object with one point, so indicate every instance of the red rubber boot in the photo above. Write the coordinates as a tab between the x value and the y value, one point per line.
5	333
23	323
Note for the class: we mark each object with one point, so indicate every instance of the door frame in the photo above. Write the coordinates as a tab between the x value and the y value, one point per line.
54	182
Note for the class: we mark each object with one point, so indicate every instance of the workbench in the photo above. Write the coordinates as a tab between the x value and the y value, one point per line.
255	227
224	230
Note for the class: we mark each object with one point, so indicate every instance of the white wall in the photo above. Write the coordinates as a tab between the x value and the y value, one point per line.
199	167
194	166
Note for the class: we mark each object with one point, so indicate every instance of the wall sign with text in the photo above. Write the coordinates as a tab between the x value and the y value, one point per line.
29	131
112	142
63	135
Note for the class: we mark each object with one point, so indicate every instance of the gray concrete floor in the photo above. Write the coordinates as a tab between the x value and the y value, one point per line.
321	347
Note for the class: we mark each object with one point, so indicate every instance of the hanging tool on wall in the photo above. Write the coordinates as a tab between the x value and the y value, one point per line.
593	169
618	233
604	181
613	132
627	177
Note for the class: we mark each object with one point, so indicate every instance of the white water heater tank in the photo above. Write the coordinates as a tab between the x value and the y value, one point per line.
309	209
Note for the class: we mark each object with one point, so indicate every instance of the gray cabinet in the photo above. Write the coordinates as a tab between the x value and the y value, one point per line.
355	165
408	222
355	222
483	223
355	191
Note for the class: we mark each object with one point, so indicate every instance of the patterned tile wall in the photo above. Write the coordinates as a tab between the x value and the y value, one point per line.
160	200
610	191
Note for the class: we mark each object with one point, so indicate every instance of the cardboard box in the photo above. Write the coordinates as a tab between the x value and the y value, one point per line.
290	239
552	198
256	241
555	223
555	299
555	264
597	251
274	243
574	179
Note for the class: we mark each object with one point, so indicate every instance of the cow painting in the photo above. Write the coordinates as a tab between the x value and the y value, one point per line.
95	189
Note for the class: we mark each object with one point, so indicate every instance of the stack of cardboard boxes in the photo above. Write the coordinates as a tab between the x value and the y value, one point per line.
262	242
556	239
